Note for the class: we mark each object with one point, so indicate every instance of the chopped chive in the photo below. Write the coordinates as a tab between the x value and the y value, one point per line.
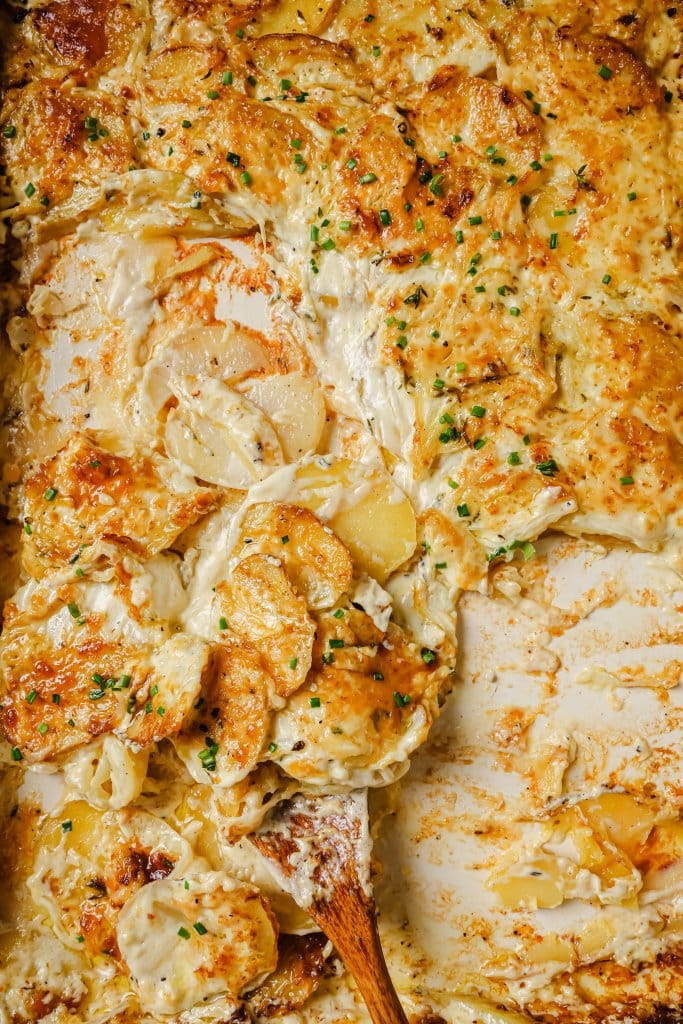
66	826
335	643
385	217
514	459
459	237
227	78
553	240
272	747
605	72
535	166
512	180
401	341
314	702
435	185
245	178
425	257
200	928
234	159
452	484
340	131
496	236
547	468
631	196
43	728
251	80
526	439
293	662
314	233
351	164
183	933
439	384
419	224
606	278
461	367
9	131
367	179
626	481
344	225
480	288
456	138
212	94
463	511
477	411
479	443
56	698
329	244
301	167
428	656
514	311
31	696
17	754
376	51
285	84
339	614
475	220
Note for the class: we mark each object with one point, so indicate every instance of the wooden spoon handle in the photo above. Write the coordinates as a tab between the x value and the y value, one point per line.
351	924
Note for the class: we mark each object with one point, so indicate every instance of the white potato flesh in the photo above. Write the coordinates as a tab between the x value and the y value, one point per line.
294	404
186	941
221	437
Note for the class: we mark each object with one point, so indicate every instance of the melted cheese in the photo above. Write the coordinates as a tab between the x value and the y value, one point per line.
318	311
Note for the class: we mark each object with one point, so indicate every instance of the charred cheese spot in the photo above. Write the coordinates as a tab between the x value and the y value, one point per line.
87	35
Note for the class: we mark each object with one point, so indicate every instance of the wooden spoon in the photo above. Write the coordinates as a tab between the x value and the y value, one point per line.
318	848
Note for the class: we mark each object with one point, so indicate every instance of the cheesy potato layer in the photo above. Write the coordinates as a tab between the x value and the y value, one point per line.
315	314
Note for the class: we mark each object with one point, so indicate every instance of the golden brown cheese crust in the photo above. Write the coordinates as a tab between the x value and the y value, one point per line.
505	178
85	494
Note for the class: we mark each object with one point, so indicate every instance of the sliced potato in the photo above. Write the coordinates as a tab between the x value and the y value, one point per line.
219	436
316	561
222	741
170	690
295	406
210	939
260	605
107	773
366	509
